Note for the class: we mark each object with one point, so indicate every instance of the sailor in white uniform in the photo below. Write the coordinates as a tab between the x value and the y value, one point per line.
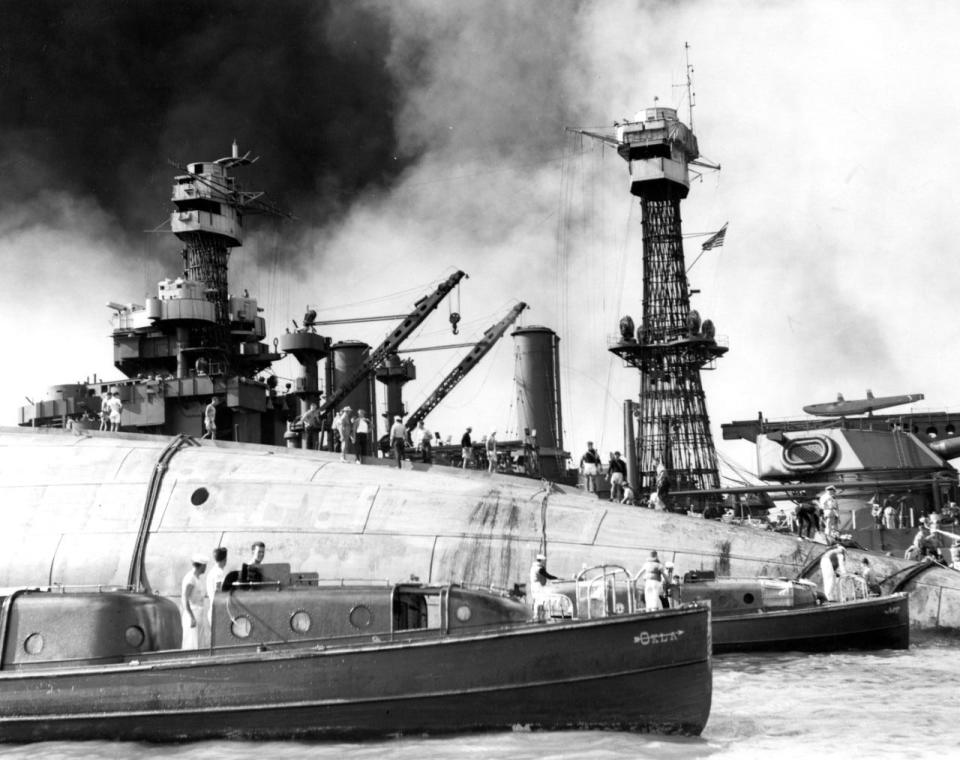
538	586
652	572
191	603
832	566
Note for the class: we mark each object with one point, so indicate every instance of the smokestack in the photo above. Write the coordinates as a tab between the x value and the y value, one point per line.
537	381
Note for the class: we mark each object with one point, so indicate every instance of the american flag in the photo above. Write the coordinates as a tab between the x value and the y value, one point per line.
716	239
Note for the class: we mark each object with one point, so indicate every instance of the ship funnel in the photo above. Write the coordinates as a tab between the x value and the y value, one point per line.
537	382
236	149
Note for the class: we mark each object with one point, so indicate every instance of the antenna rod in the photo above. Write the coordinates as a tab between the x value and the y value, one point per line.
690	93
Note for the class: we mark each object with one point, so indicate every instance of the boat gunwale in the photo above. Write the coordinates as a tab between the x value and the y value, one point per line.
173	659
899	597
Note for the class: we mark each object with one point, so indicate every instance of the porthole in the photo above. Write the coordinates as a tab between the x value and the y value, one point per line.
464	613
748	598
360	617
932	432
241	627
134	636
199	496
33	644
300	621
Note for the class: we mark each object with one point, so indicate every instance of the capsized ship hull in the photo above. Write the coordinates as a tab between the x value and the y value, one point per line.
81	510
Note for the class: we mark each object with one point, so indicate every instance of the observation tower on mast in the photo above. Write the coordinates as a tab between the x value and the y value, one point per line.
671	344
208	218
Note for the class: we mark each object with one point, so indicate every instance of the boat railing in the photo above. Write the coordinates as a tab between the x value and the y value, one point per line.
60	588
510	593
559	606
604	590
852	587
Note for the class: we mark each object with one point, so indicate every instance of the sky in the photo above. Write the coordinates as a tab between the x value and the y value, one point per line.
412	138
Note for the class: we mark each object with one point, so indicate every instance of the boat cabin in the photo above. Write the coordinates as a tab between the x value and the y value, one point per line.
270	604
83	627
612	590
260	605
739	595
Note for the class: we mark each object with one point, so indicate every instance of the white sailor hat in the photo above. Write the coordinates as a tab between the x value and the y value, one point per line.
199	559
541	556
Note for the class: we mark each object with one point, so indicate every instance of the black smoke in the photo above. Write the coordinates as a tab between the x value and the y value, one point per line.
96	96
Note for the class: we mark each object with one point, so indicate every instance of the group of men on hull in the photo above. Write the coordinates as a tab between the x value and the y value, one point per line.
350	434
621	490
821	519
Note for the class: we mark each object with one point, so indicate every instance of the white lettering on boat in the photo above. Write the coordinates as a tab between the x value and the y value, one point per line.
646	638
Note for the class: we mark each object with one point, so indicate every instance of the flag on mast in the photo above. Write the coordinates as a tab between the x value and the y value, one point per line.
716	239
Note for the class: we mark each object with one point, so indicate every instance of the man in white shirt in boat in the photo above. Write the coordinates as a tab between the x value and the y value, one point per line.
652	571
191	603
214	580
251	571
538	586
832	566
670	595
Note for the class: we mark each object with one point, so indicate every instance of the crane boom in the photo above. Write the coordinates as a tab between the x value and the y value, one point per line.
401	332
490	336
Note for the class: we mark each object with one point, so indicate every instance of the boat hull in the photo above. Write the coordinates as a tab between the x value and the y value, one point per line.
873	623
638	672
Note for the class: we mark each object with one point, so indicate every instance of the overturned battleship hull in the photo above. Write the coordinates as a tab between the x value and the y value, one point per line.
94	509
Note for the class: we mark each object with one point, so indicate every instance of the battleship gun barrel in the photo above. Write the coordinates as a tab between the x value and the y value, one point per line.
948	448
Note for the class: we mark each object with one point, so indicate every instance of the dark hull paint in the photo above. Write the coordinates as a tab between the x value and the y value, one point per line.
875	623
613	673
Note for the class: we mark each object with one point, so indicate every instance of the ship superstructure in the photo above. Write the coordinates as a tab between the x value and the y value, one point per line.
194	339
671	344
900	459
194	324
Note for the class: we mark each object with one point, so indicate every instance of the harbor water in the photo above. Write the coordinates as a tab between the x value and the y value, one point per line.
847	705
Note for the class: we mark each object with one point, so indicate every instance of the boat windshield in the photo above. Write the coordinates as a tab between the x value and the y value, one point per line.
777	593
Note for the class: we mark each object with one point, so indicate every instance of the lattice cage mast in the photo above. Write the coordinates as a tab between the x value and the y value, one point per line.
671	345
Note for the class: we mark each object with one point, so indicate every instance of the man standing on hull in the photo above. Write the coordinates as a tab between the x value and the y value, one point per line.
398	439
210	419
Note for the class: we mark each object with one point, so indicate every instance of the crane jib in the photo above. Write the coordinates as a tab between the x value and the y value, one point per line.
403	331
